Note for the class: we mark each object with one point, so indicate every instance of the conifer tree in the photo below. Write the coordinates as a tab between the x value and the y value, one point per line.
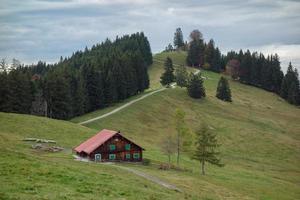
20	91
4	91
57	94
181	76
178	39
195	55
195	86
209	52
290	89
216	62
223	90
206	148
168	76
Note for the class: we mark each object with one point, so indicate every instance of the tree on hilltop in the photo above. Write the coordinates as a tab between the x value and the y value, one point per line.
178	39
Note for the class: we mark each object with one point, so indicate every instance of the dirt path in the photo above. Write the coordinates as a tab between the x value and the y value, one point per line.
123	106
128	104
134	171
150	178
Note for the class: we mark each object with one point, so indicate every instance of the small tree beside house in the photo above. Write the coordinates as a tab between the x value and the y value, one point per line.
206	148
168	76
168	147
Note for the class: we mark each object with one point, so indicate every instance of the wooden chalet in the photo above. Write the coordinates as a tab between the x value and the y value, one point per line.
108	145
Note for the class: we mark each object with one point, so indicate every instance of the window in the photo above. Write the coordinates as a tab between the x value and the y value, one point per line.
112	147
97	157
136	155
127	156
112	156
127	147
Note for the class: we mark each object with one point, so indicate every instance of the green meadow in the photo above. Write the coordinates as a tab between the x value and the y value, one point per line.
259	133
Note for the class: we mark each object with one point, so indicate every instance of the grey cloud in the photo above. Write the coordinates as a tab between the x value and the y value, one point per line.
44	29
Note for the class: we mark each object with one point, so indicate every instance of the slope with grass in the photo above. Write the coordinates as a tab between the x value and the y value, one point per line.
259	132
30	174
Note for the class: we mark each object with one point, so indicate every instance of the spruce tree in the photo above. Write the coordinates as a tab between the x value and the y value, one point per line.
216	62
290	89
168	76
223	90
195	55
20	91
195	86
206	148
178	39
181	76
57	94
209	52
4	91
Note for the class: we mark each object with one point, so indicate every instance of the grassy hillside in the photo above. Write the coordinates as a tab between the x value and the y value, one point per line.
259	132
30	174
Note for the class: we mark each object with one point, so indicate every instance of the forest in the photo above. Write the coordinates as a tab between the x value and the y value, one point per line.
88	80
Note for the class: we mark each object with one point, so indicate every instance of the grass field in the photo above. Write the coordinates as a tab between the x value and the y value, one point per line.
259	132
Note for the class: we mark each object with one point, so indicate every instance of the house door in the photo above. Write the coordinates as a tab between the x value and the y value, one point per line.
98	157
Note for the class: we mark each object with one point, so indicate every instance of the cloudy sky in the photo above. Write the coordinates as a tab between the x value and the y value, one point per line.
32	30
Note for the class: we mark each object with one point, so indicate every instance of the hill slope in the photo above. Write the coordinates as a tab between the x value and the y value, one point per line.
30	174
259	132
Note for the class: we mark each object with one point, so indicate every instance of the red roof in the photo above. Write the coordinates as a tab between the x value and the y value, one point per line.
94	142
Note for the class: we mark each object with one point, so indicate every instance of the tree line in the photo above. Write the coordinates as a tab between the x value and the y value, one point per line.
254	68
88	80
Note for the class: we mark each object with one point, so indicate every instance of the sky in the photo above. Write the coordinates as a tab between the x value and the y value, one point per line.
33	30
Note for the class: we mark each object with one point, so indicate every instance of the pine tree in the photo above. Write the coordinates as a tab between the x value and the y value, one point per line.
195	86
216	62
290	89
4	92
178	38
181	76
209	52
223	90
57	94
20	91
245	67
195	55
168	76
206	148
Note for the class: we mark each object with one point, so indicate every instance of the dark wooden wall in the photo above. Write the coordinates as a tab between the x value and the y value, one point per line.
120	151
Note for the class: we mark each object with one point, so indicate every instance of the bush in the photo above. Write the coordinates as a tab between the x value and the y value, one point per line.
146	161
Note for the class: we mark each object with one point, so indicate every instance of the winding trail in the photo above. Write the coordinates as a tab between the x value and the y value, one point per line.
124	106
133	171
150	178
129	103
